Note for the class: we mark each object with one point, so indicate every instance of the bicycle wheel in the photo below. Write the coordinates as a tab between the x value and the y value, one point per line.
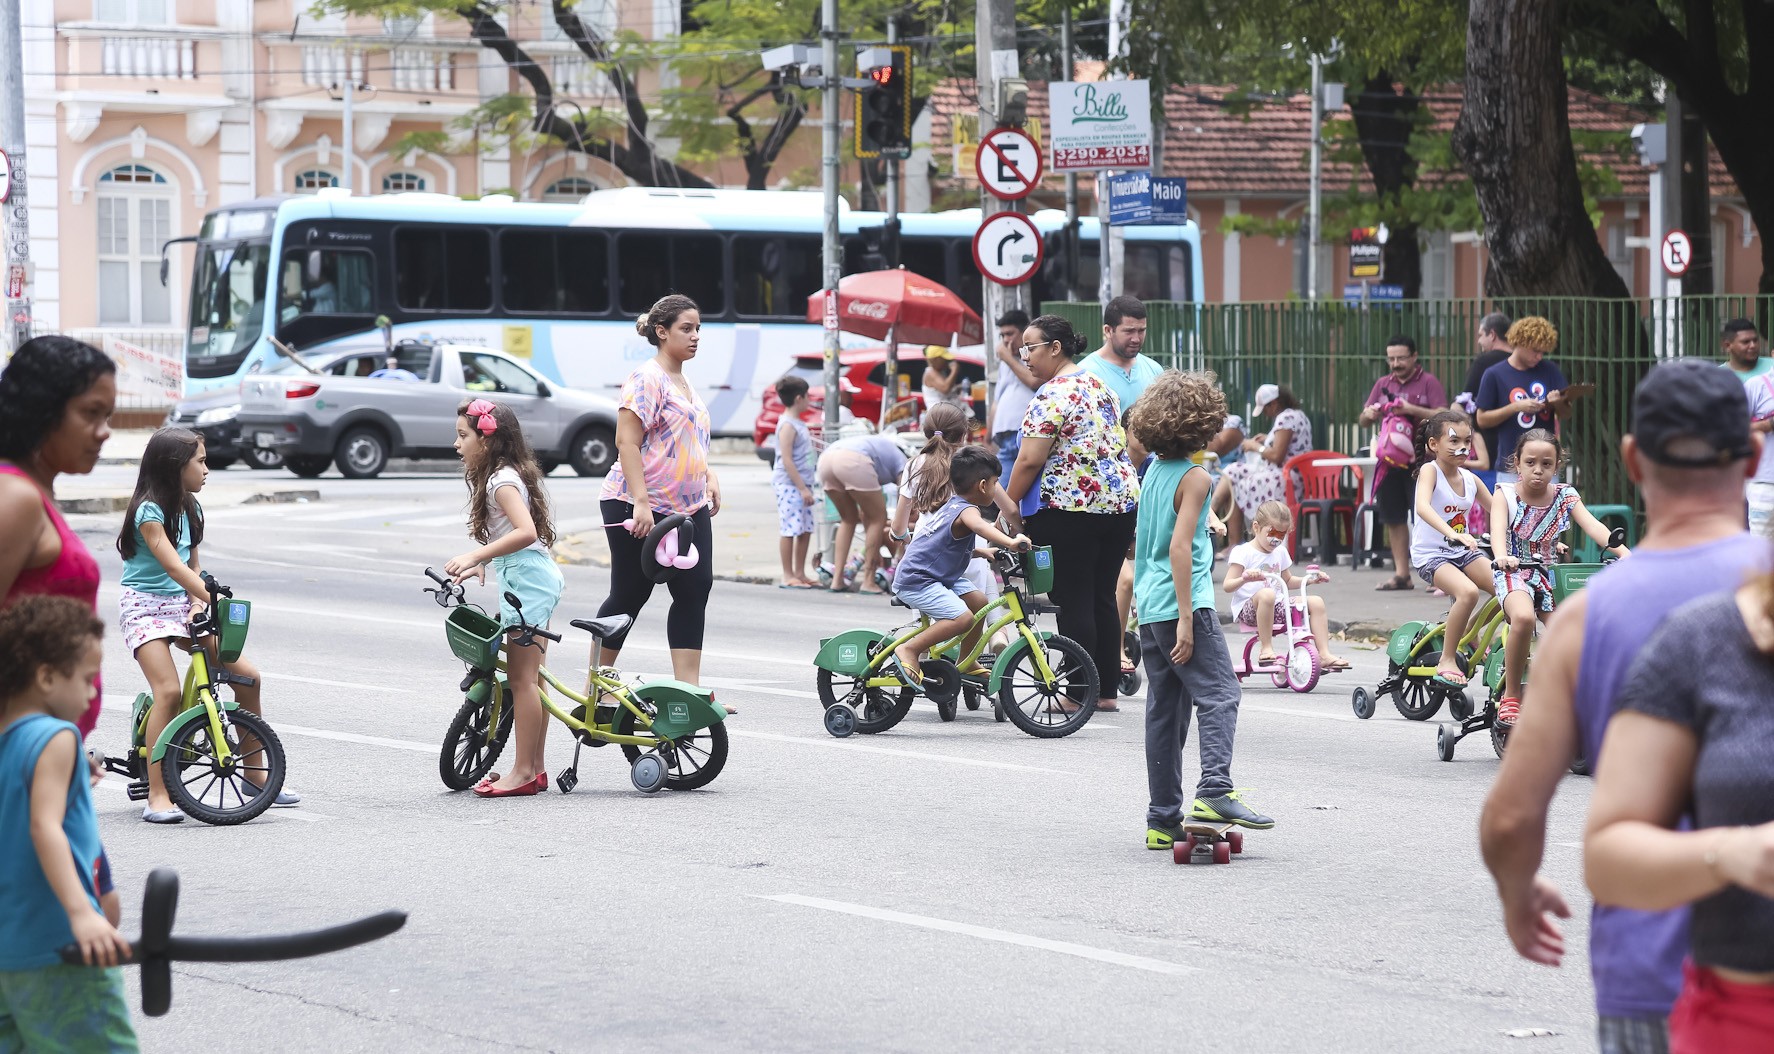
206	790
877	709
691	761
468	750
1039	708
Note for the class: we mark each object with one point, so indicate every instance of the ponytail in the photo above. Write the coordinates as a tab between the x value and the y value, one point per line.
945	429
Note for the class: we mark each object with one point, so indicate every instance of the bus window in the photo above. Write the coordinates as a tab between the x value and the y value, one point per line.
652	265
774	276
1178	270
967	278
443	269
927	257
1142	273
548	271
326	282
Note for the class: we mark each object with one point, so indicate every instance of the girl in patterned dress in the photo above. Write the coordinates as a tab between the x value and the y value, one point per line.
1537	512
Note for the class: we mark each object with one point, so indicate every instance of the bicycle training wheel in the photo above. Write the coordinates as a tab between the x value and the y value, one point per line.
877	709
1049	711
691	761
223	795
469	751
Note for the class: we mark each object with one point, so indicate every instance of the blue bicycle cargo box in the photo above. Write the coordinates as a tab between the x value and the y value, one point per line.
474	637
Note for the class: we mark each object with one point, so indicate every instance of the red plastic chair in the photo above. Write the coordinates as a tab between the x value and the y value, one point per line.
1319	493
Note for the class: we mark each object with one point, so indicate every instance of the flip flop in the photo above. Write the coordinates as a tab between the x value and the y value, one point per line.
1395	584
1335	666
1450	678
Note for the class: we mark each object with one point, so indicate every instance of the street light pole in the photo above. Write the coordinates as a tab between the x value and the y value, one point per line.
831	249
1315	196
17	323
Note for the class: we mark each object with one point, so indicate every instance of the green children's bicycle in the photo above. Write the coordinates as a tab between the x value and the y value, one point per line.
1044	683
670	732
222	764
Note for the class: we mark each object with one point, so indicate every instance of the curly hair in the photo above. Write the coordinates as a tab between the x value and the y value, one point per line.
663	315
1532	332
45	374
1178	414
504	446
1536	435
39	631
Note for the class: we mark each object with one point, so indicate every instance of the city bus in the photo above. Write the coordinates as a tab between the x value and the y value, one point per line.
561	284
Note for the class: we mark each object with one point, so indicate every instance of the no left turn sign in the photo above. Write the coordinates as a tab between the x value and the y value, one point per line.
1678	253
1008	163
1007	248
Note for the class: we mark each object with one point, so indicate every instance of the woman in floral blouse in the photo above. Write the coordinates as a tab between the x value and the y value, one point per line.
1073	443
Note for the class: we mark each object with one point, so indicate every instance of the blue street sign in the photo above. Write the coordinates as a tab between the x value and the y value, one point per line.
1130	199
1385	292
1170	199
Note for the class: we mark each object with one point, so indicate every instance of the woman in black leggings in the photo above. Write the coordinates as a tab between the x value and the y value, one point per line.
662	431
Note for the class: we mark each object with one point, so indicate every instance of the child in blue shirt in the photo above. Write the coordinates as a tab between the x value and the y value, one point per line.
1187	663
51	862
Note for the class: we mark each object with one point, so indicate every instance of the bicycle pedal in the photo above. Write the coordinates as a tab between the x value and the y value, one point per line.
138	791
567	780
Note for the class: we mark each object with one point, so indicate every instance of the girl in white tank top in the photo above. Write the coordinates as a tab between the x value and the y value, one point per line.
1443	551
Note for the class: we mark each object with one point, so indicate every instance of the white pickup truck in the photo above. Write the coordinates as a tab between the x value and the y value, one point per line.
342	415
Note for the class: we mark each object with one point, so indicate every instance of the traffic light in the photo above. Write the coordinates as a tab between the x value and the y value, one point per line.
884	109
880	246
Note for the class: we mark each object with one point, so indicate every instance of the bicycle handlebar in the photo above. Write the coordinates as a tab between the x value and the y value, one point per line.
446	591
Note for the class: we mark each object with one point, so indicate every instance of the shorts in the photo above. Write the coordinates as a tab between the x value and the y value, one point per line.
1759	497
532	575
1535	581
793	515
1458	558
1632	1035
1713	1014
1247	615
847	470
1395	494
152	616
65	1008
938	601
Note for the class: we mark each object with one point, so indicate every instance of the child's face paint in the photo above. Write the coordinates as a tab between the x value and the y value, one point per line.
1454	444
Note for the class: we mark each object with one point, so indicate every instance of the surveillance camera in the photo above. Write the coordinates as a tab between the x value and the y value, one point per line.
870	59
785	56
1652	143
1013	101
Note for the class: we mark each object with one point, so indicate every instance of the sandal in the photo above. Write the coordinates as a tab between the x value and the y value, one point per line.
1507	711
1450	677
1395	584
1333	665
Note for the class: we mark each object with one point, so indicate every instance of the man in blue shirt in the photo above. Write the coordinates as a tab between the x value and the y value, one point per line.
1118	363
1523	392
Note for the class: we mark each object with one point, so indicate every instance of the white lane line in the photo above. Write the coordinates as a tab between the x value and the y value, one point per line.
1289	711
333	684
353	737
231	558
454	519
985	933
372	512
122	786
842	745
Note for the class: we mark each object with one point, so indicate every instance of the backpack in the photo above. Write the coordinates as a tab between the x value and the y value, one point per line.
1395	444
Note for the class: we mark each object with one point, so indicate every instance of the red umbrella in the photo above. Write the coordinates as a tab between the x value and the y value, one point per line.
918	310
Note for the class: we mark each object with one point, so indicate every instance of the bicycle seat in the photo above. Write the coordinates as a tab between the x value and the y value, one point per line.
603	628
1042	607
898	603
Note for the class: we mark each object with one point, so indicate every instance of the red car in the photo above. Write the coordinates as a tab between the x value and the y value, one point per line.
864	371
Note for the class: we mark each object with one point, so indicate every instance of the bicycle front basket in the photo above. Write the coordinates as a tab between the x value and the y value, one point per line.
1038	567
1569	578
232	621
474	636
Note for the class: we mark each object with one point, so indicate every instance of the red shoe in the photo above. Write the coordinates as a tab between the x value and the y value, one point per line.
486	789
1507	712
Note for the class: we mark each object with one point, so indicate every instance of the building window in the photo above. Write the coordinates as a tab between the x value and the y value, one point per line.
408	26
134	12
313	179
400	182
569	190
134	220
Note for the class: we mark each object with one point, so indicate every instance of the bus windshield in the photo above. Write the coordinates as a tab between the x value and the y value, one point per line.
227	304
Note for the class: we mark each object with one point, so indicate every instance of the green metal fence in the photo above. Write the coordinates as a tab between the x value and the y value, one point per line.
1330	353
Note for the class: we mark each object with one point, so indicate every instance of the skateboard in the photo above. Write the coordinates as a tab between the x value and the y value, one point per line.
1219	839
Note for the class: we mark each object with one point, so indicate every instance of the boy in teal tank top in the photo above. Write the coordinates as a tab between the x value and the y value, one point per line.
1187	662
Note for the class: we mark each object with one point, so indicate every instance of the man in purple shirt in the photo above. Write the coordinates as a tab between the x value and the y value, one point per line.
1689	452
1412	391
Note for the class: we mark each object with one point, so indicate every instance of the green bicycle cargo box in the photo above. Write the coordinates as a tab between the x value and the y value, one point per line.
231	623
1038	566
474	637
1569	578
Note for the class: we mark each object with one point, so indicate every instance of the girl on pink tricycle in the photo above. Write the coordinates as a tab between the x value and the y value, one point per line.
1260	579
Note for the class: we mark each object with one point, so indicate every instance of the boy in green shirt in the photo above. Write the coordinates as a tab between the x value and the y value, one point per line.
1187	663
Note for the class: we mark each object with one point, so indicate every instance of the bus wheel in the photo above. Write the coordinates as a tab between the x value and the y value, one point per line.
593	451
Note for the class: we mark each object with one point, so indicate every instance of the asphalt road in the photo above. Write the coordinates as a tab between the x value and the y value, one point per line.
941	886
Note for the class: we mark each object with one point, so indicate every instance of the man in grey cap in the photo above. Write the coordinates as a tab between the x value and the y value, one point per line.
1689	451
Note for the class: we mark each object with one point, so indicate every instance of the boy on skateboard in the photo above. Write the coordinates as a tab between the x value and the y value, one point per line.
1187	663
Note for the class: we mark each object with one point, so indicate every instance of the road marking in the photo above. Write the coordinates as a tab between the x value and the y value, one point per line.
371	512
1321	715
353	737
235	559
986	933
454	519
332	684
951	759
122	786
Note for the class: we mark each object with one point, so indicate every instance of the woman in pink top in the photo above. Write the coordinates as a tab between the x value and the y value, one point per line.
662	431
56	398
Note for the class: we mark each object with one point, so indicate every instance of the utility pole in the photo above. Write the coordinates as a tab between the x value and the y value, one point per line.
1316	194
1073	255
1686	196
831	249
12	140
995	43
350	147
1111	253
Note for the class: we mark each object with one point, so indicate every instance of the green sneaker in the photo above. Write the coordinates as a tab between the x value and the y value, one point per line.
1163	835
1229	808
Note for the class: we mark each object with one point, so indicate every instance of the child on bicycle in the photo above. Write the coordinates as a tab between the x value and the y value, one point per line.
932	576
1187	663
508	515
1253	599
1444	552
792	480
1537	511
163	592
52	866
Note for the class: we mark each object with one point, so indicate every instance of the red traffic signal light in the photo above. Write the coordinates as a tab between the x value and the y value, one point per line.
882	75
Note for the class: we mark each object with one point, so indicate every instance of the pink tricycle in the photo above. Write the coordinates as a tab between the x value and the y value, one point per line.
1296	664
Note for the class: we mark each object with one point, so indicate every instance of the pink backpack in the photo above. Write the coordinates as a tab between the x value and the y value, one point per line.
1395	444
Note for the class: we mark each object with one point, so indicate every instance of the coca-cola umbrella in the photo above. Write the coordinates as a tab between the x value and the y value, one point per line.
914	309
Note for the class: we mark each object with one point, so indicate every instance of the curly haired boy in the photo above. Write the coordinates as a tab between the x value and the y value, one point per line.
1523	392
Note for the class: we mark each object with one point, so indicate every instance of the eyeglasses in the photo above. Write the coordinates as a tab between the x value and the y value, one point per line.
1028	349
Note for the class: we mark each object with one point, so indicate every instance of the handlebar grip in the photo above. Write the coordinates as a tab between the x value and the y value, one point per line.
435	577
544	633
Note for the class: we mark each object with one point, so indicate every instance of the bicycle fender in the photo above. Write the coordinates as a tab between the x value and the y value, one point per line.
848	652
482	688
680	708
1001	667
195	713
1398	649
